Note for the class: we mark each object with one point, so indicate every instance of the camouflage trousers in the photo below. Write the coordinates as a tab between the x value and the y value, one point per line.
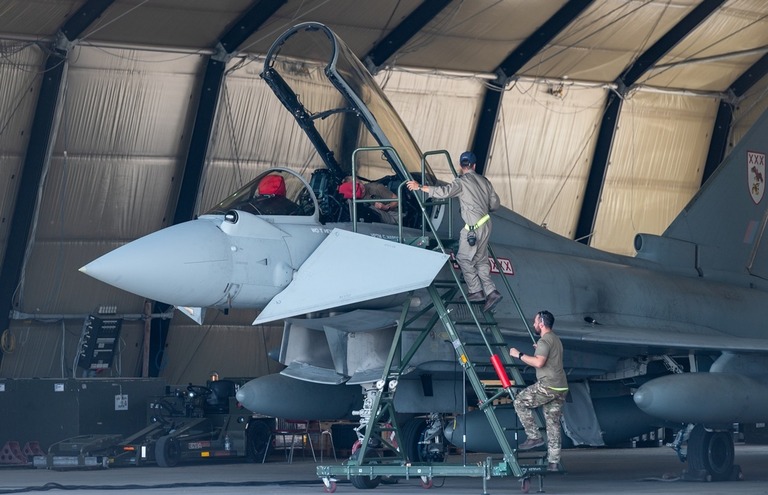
552	402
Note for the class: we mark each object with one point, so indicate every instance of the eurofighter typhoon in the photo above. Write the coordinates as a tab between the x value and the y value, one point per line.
673	337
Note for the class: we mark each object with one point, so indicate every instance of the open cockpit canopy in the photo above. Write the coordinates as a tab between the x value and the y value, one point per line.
339	106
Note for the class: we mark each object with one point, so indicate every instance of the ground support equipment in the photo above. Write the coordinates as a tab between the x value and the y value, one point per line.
378	454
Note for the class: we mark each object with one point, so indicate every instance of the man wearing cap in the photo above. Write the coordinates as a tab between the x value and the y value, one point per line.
476	199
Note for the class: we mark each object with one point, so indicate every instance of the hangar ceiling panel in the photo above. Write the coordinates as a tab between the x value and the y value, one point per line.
714	76
191	24
465	36
359	24
604	40
475	36
717	51
35	18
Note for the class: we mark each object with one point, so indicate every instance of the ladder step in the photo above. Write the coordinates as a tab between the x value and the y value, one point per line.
468	323
481	344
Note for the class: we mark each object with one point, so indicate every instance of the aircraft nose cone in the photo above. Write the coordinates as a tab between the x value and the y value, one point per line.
189	264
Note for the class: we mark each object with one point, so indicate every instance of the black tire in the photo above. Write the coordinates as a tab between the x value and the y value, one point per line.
364	482
257	439
413	433
167	451
711	452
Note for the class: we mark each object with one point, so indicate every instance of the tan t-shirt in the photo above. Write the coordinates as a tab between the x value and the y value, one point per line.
551	374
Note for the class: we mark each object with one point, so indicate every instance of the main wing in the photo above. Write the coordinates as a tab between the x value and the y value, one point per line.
349	268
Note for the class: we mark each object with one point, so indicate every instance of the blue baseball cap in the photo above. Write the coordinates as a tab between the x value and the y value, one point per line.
467	158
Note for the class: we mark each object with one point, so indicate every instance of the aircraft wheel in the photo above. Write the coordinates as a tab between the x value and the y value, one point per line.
413	434
364	482
711	451
258	434
167	451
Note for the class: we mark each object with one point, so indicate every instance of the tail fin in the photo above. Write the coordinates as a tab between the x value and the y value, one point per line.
725	222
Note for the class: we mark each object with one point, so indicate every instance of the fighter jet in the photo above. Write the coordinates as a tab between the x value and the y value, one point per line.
671	337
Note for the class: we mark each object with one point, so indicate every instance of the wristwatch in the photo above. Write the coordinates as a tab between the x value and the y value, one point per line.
520	355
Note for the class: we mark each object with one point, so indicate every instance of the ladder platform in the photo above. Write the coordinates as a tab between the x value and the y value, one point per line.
486	469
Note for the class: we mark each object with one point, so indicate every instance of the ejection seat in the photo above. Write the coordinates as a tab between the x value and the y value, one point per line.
333	206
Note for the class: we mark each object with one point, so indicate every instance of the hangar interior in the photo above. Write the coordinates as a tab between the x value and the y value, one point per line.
597	118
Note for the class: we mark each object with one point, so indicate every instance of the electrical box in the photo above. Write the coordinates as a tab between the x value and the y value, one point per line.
98	343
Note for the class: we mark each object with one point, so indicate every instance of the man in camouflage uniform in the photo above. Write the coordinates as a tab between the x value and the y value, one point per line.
548	392
476	199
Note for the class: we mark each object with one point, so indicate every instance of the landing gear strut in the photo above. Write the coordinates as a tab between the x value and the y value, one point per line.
710	455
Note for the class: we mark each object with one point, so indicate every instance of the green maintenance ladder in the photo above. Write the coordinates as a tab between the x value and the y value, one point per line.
367	466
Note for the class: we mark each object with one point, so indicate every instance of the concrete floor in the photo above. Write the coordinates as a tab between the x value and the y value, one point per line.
593	471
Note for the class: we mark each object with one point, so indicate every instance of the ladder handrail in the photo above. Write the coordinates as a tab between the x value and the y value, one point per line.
448	201
512	294
383	387
477	385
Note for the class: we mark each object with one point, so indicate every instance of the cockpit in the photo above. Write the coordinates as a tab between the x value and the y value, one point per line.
274	192
283	192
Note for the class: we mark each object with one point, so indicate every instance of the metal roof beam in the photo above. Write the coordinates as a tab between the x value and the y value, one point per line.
750	77
194	166
486	122
38	155
541	38
596	178
485	126
400	35
718	144
244	27
249	23
682	29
